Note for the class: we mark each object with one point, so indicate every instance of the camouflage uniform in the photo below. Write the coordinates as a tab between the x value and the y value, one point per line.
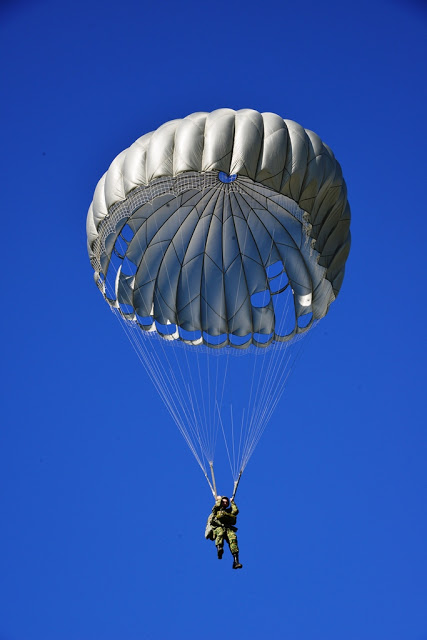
223	521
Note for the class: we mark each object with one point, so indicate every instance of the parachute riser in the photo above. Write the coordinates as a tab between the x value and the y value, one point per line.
210	485
213	486
236	484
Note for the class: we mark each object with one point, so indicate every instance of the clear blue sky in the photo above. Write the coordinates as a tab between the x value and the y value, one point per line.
102	506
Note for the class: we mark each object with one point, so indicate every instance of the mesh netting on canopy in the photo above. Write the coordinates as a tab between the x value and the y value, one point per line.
222	232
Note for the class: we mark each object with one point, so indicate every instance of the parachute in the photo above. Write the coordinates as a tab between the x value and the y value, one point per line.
217	235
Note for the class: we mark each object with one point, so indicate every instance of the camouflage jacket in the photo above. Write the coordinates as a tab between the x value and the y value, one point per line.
224	517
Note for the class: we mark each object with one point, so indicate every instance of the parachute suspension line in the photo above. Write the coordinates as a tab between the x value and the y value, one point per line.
254	403
263	421
201	395
242	422
232	440
215	419
268	390
251	409
190	397
276	400
266	393
227	356
173	384
225	438
305	340
154	372
274	382
214	398
195	427
160	385
209	400
195	405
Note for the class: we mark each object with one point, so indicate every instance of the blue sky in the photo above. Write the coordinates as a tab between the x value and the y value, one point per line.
103	507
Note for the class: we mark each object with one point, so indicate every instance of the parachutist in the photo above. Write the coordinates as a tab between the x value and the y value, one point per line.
221	525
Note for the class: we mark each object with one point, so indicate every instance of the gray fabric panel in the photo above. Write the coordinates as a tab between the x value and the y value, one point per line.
189	288
263	319
181	240
274	151
320	168
322	297
255	275
149	265
336	238
124	290
137	245
114	185
189	143
213	307
296	161
246	240
298	275
249	249
135	164
157	227
219	140
160	151
239	308
171	223
151	225
264	241
229	242
166	287
98	210
248	135
214	245
143	300
91	229
335	267
197	242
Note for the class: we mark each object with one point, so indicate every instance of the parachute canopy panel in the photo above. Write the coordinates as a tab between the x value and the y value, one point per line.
187	224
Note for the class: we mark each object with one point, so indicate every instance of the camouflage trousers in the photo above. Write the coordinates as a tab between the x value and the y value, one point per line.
221	533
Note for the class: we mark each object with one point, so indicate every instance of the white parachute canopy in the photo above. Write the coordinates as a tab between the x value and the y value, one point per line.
220	234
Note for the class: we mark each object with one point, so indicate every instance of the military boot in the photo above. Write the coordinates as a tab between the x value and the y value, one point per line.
220	551
236	563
